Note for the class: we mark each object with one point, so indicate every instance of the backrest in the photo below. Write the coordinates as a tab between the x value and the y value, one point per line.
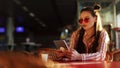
116	55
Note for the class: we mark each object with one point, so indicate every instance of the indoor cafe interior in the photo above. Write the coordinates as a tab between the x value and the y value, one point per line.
29	29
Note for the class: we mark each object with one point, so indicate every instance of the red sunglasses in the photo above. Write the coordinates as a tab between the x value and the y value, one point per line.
86	20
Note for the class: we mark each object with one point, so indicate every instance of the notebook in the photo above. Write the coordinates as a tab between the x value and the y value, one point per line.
61	43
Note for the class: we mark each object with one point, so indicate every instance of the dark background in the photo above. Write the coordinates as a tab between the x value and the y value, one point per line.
43	19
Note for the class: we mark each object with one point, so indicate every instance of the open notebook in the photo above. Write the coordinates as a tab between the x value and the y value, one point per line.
61	43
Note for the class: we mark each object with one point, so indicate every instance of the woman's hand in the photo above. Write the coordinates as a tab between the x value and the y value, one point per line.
70	54
75	55
58	54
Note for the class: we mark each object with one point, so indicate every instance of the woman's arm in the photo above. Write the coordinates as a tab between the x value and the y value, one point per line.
74	39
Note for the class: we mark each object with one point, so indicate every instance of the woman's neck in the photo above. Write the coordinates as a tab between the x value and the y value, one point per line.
90	31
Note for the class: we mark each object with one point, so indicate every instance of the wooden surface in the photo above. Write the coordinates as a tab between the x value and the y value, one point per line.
9	59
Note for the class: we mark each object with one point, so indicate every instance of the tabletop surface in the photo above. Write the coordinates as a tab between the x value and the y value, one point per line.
86	64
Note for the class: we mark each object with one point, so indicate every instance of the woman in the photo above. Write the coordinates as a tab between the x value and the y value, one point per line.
90	41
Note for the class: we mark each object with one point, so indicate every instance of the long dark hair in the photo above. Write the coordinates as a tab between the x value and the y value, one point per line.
80	47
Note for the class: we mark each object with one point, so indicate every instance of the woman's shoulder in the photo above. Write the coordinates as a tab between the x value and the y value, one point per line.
103	31
77	31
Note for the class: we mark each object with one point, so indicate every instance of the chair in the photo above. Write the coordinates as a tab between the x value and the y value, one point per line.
116	55
109	57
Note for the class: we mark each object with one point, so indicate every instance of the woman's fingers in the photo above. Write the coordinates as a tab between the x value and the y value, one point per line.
62	49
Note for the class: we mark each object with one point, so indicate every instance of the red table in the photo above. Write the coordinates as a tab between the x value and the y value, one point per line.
113	65
86	64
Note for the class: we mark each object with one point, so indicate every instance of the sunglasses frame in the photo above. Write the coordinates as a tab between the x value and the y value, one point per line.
86	20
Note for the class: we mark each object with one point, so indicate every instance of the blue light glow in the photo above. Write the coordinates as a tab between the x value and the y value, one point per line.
2	29
19	29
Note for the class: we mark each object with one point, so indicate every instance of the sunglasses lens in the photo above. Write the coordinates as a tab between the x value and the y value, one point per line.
86	20
81	20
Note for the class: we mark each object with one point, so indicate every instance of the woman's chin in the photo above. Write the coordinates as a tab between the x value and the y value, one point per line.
85	28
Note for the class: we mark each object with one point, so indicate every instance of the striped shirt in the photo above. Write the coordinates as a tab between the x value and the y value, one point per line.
101	50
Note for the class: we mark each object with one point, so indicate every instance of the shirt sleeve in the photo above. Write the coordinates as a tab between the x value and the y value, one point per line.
74	39
101	53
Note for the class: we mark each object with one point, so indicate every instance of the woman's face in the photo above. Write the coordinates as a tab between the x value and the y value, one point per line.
86	20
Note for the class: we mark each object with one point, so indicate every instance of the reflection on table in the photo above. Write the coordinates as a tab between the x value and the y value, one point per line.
83	64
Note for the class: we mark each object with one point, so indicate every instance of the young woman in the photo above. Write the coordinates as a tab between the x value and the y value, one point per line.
90	41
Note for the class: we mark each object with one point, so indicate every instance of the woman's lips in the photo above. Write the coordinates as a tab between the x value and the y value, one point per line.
83	25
